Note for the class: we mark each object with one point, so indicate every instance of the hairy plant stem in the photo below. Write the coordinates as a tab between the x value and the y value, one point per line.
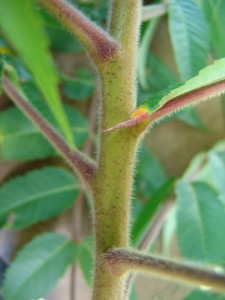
121	261
113	181
97	42
81	164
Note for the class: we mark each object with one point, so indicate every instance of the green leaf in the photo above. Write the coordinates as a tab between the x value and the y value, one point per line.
149	175
21	140
198	169
217	168
1	71
157	75
38	266
78	123
84	253
38	195
168	231
189	36
214	11
22	25
143	51
142	222
204	295
211	74
81	87
96	10
200	222
133	294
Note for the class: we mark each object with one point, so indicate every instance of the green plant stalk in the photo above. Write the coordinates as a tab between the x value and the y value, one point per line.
112	184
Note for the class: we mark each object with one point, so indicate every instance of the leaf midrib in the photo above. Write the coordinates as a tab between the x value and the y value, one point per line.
41	267
37	197
36	132
201	226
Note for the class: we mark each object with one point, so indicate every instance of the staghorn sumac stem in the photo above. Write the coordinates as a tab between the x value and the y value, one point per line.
112	184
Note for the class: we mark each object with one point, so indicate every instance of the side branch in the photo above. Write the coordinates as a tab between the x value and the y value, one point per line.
97	42
145	116
189	99
82	165
121	261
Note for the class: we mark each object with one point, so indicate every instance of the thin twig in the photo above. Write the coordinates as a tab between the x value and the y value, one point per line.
97	42
121	261
190	98
81	164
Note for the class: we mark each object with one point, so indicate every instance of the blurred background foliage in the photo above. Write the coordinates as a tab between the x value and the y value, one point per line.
178	205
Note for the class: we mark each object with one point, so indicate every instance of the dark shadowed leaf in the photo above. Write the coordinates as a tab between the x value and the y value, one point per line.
81	86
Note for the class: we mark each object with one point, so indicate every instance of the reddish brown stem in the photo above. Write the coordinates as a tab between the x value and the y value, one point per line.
187	99
142	115
82	165
97	42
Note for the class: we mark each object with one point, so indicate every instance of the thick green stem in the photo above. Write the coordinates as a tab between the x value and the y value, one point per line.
113	182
